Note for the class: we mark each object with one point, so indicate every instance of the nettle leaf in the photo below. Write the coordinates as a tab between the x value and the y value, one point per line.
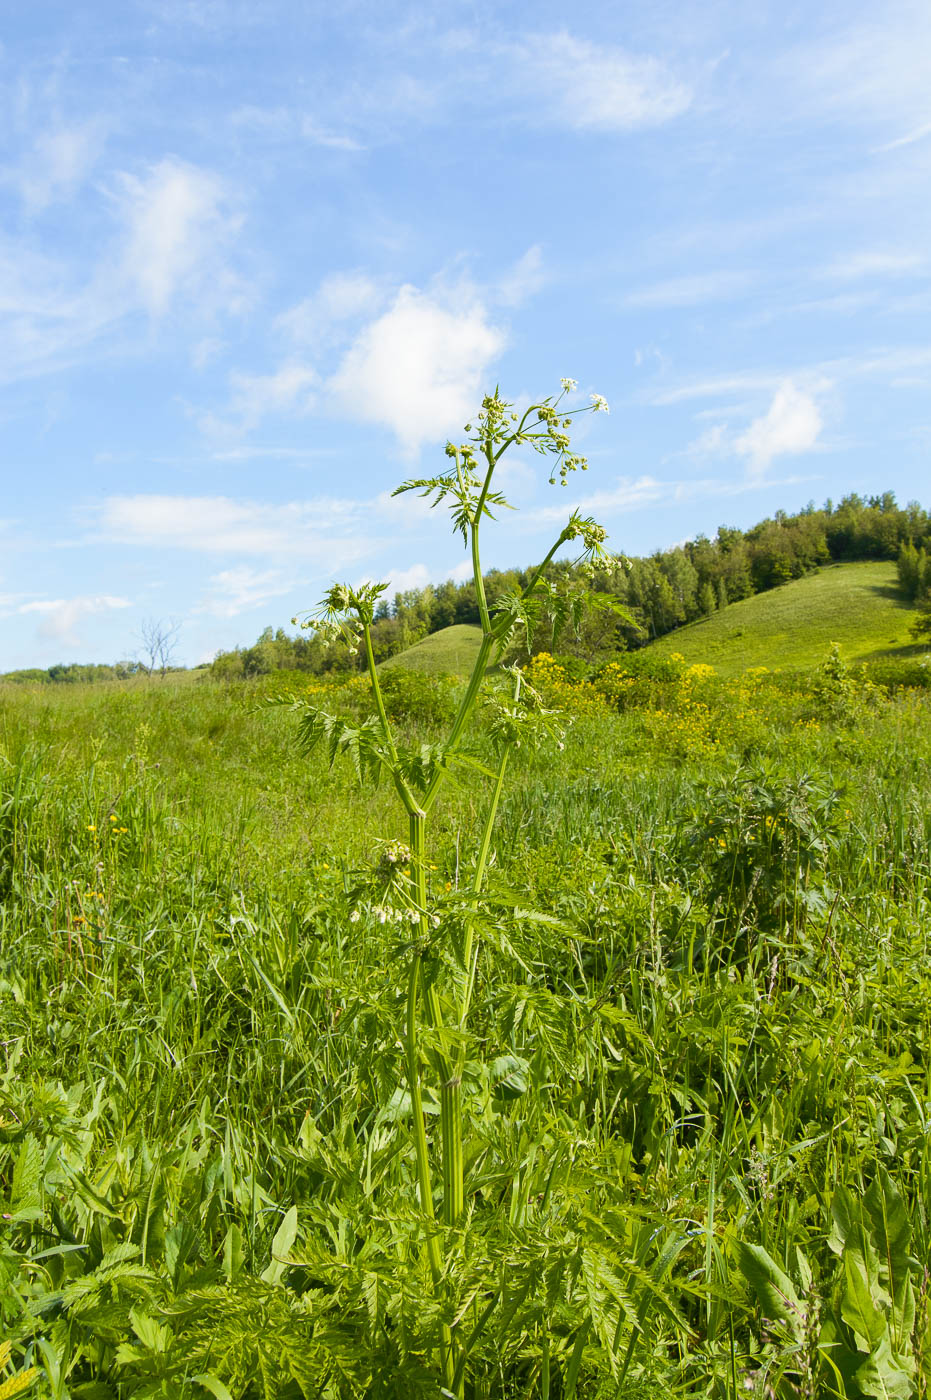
152	1334
25	1190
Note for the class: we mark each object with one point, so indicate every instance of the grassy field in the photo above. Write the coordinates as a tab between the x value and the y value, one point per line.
858	606
451	651
697	1080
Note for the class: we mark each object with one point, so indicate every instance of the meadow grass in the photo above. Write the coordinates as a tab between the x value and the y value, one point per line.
860	606
451	651
696	1078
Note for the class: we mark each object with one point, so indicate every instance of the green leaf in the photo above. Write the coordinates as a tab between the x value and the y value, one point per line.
773	1288
153	1336
232	1252
885	1375
215	1387
25	1191
891	1229
282	1245
858	1308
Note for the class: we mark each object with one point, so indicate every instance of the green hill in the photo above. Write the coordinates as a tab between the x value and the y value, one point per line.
791	627
451	651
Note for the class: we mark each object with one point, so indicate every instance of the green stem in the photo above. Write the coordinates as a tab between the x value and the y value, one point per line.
404	792
422	1154
469	962
476	559
450	1129
466	706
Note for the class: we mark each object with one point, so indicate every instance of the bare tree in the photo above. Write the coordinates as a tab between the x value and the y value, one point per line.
159	643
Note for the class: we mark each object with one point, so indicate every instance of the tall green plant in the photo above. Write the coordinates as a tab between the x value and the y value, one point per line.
418	774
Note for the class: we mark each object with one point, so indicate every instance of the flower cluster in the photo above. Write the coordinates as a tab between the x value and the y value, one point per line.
343	614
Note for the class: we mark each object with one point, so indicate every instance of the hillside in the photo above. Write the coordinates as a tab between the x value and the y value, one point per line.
451	651
791	627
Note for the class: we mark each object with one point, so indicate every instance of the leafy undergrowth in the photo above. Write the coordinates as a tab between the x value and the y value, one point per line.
697	1079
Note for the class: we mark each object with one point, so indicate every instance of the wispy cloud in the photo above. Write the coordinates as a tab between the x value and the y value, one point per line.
177	219
596	86
233	591
874	264
909	139
280	124
254	397
57	164
341	298
220	525
61	616
691	290
881	364
877	70
631	494
523	280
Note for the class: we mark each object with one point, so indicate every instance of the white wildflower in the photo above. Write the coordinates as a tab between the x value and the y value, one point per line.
354	916
570	385
600	403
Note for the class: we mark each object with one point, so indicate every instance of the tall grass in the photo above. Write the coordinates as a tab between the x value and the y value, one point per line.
696	1070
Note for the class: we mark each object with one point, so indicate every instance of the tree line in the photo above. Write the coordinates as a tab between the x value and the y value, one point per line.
645	599
654	594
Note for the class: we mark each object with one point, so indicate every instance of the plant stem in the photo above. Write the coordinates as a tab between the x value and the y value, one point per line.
422	1154
404	792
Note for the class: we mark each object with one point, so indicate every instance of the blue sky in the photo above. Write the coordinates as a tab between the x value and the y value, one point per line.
259	258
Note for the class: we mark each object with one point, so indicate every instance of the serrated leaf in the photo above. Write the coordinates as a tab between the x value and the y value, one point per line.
17	1385
25	1189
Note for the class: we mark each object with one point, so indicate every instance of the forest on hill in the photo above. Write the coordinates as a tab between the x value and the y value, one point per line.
649	596
642	599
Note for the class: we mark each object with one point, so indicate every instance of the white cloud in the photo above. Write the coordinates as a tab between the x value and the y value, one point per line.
236	590
176	217
285	124
255	396
874	264
462	571
724	386
340	298
595	86
322	136
691	290
713	442
909	139
791	424
401	580
323	529
628	494
523	280
419	367
879	71
60	616
57	164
